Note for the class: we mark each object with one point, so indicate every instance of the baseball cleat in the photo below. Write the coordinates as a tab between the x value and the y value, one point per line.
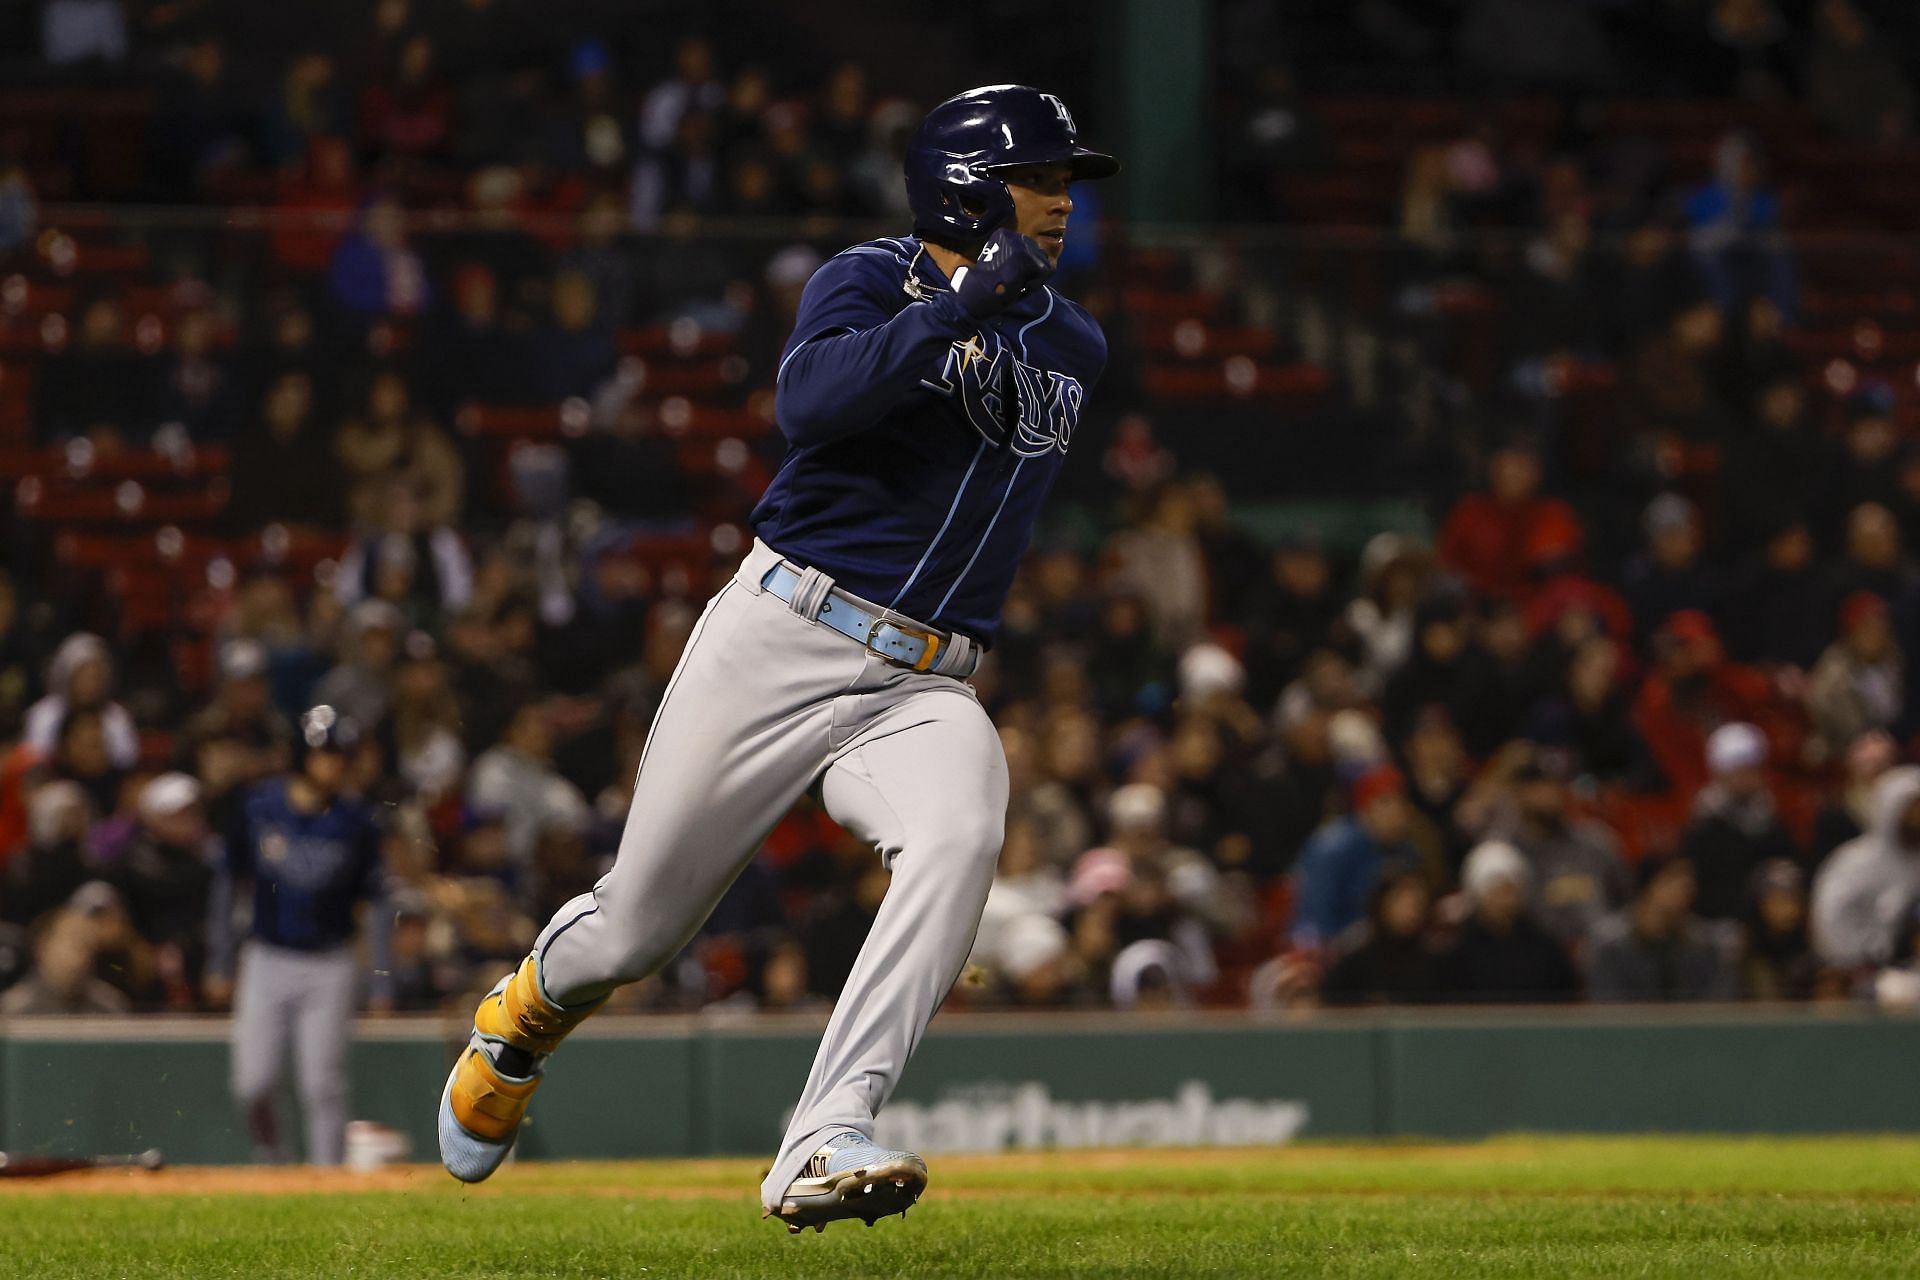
493	1081
482	1107
849	1177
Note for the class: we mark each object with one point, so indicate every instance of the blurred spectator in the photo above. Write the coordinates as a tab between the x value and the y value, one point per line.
1387	959
517	780
121	957
361	686
62	980
1288	614
574	351
1863	889
391	442
284	470
1488	537
1691	691
1735	228
1592	718
197	136
55	861
196	385
1670	575
1450	670
594	133
471	357
425	718
1160	562
411	113
1340	866
1779	963
1846	813
1438	771
1500	953
1393	573
375	270
242	709
678	165
165	876
605	263
1747	51
80	680
1859	683
1777	464
1780	604
311	105
1735	826
1658	949
1855	85
1275	132
1673	382
423	571
314	205
839	127
1578	873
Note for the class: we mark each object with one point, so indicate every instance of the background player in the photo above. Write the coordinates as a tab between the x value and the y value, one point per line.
312	857
929	392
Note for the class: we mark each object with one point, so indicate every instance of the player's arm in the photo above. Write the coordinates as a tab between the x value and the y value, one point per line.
234	867
852	358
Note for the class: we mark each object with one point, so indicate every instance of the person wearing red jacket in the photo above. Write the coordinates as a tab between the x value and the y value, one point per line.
1692	690
1492	538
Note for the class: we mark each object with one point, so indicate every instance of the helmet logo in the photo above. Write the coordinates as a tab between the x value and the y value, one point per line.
1060	109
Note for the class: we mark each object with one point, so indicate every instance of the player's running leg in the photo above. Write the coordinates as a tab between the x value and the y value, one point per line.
321	1050
926	783
743	729
262	1026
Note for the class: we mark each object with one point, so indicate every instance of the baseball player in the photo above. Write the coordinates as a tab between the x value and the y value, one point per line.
312	857
929	392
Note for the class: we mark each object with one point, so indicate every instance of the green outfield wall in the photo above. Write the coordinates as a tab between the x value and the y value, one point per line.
679	1087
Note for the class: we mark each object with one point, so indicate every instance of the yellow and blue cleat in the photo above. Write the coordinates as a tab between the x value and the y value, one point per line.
494	1080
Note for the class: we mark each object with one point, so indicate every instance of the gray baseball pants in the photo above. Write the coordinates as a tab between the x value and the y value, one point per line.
765	705
303	1000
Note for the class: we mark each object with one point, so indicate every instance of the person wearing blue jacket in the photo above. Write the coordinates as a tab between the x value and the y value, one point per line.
1338	868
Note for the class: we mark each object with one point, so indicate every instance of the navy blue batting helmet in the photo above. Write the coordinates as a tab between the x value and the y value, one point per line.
324	729
952	159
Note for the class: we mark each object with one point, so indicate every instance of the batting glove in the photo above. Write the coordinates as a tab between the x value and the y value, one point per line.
1009	267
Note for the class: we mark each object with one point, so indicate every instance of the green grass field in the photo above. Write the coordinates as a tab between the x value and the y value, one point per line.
1511	1207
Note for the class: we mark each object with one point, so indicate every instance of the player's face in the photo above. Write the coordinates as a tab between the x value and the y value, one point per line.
1041	203
327	770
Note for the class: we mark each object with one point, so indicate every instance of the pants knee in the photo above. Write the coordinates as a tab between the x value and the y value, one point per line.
968	845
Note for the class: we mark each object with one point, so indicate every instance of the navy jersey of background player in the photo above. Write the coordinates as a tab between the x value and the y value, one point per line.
309	870
920	458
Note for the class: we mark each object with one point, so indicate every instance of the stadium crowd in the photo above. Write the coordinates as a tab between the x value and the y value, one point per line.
1622	716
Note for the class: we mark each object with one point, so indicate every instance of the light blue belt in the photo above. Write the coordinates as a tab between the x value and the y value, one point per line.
896	640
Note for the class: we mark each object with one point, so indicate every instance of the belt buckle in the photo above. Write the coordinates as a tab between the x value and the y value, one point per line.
930	638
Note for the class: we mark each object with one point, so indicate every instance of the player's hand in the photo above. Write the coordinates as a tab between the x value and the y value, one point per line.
217	990
1009	267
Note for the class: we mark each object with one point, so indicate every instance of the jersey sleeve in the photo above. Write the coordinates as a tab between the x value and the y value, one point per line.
852	357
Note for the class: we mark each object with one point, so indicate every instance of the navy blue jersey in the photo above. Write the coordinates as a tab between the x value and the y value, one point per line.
309	870
889	486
